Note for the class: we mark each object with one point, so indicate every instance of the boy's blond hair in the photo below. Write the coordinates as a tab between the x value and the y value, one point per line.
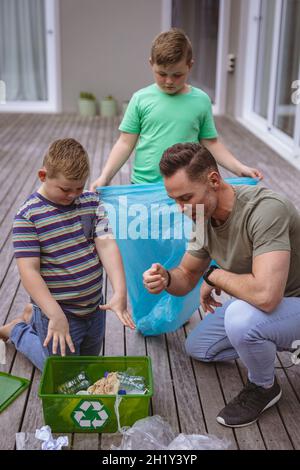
171	47
68	157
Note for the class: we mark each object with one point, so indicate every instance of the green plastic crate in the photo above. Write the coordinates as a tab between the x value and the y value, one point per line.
10	388
92	413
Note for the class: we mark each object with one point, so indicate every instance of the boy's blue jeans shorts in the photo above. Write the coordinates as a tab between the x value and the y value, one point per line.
87	335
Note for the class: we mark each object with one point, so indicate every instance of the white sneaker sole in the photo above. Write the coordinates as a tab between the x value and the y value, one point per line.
272	402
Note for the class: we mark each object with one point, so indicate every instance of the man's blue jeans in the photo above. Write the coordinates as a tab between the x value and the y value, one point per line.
239	330
87	335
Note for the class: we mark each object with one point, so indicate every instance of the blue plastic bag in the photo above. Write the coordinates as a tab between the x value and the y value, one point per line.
143	243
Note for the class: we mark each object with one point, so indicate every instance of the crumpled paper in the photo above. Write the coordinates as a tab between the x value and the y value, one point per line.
29	441
44	434
2	352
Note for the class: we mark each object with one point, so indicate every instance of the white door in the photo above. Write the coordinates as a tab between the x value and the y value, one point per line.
29	56
206	22
273	71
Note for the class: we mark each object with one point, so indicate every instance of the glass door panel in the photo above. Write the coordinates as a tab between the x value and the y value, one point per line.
200	20
23	65
264	56
288	67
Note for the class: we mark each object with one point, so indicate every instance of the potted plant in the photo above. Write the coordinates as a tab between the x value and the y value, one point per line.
108	107
87	104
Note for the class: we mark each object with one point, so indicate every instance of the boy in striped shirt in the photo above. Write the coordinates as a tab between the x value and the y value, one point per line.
62	238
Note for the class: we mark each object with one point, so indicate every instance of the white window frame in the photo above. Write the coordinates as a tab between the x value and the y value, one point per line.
223	43
53	104
279	141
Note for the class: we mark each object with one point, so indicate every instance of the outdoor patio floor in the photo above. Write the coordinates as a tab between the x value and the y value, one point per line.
189	394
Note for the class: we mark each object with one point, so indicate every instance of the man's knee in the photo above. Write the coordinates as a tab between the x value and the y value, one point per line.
238	320
197	347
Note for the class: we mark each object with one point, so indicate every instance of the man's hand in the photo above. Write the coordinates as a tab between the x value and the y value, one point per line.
118	305
58	329
206	299
97	183
155	279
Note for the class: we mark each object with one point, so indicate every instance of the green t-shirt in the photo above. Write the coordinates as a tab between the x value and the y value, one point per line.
261	221
162	120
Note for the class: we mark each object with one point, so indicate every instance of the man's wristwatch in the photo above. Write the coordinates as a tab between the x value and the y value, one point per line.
207	273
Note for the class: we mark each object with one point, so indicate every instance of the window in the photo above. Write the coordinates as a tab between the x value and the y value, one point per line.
28	62
206	22
200	20
273	52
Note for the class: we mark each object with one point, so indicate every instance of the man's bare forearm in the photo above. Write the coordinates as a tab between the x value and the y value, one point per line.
242	286
182	282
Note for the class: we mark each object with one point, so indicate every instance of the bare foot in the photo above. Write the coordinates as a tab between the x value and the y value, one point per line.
5	330
27	313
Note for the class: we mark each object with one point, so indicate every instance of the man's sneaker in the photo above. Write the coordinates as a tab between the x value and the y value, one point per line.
248	405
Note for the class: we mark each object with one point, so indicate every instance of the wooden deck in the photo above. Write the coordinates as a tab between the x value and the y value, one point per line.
188	393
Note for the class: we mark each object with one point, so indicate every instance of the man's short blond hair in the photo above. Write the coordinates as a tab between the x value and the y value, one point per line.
171	47
67	157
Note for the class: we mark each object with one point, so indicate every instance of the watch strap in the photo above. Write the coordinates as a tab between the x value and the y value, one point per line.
207	273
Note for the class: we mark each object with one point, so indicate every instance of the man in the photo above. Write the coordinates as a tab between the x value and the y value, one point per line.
253	234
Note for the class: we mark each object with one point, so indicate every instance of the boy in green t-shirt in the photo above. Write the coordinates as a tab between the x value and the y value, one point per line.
167	112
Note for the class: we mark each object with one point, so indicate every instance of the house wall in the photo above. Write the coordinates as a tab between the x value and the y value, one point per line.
105	46
233	85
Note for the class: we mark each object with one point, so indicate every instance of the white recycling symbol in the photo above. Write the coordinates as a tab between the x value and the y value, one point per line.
96	411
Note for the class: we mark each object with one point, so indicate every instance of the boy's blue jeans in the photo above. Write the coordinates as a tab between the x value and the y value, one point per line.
240	330
87	335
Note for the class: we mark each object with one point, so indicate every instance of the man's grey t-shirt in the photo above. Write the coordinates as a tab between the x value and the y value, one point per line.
261	221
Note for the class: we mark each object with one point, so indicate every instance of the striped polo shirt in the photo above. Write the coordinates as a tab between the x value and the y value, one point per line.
63	238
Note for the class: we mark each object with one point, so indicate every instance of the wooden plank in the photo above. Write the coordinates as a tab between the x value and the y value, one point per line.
8	290
289	409
187	397
10	145
210	392
18	165
9	121
135	343
164	399
231	384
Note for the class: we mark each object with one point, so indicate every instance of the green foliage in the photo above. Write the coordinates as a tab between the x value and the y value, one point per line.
87	96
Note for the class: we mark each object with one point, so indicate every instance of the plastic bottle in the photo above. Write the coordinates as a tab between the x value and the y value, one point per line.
79	382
